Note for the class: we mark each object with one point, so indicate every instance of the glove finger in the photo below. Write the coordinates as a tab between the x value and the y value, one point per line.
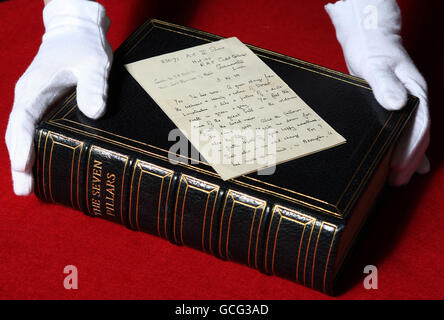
387	88
424	166
23	183
92	91
408	155
398	179
416	136
401	175
412	79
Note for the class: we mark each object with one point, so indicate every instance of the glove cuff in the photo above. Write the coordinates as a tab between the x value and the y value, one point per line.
60	13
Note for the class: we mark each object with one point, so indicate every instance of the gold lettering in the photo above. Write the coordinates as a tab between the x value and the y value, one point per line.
95	203
110	193
95	186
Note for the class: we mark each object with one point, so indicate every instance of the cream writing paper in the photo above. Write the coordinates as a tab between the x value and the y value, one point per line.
232	107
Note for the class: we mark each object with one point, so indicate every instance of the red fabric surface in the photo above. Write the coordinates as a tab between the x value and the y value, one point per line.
37	240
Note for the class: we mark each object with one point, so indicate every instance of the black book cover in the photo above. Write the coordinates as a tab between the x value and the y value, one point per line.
298	223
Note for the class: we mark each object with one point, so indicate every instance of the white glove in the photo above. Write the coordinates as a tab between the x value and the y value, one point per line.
369	33
74	50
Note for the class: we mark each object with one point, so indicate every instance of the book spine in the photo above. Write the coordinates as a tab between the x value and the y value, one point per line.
187	210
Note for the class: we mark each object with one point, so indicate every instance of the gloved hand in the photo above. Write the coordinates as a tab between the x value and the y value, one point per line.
369	33
74	50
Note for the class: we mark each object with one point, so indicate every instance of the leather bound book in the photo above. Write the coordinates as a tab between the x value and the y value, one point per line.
298	223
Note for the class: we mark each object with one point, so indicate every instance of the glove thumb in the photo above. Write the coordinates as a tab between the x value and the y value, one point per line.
92	90
388	89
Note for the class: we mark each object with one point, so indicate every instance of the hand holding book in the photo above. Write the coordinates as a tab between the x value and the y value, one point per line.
34	91
74	51
369	33
297	223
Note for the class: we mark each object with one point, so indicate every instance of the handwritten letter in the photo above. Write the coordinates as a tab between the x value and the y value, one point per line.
232	107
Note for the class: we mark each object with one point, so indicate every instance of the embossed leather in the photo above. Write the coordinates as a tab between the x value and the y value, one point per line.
294	223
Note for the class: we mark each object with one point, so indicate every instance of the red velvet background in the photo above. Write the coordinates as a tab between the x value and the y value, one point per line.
37	240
